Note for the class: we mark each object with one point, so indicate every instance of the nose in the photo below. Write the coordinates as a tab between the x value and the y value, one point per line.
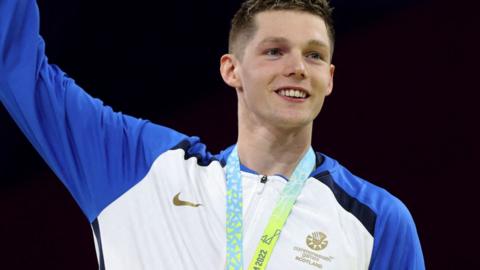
295	67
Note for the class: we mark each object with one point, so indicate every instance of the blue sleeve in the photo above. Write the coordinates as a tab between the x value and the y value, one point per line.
396	244
97	153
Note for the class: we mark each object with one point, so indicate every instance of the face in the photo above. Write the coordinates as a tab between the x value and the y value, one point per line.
285	72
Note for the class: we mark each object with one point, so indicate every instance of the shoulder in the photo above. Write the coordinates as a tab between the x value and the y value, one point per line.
385	216
382	203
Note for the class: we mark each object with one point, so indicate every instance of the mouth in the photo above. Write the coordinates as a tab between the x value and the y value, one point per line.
293	93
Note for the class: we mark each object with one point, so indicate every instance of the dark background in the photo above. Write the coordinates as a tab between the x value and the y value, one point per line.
403	113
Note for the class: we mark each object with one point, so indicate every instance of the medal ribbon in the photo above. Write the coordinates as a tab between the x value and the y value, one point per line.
234	222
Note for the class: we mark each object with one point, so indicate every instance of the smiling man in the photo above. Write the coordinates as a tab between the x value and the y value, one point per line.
157	199
282	75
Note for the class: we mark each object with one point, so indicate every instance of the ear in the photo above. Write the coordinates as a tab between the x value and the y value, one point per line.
330	82
228	69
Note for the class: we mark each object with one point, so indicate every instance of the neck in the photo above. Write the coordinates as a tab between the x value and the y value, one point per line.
269	150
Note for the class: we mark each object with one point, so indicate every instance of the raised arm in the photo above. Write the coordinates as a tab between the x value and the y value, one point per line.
97	153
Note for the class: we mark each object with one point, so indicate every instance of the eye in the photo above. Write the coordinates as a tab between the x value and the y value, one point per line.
315	56
273	52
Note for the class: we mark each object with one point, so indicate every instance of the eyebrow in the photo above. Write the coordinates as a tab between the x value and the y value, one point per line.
312	42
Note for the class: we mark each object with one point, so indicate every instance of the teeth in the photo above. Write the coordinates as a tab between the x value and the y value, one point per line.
292	93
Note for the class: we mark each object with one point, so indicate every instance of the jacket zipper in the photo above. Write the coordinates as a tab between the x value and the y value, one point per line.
263	182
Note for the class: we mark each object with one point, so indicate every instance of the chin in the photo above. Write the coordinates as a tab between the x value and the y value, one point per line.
294	122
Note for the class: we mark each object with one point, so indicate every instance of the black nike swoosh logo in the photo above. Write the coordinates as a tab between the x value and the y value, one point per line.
178	202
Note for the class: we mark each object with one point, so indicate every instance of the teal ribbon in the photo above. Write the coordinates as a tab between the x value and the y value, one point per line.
234	222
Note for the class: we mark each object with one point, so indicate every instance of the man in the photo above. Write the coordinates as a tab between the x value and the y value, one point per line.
157	199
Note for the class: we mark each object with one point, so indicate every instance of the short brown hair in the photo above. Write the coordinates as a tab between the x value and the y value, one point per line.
243	26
